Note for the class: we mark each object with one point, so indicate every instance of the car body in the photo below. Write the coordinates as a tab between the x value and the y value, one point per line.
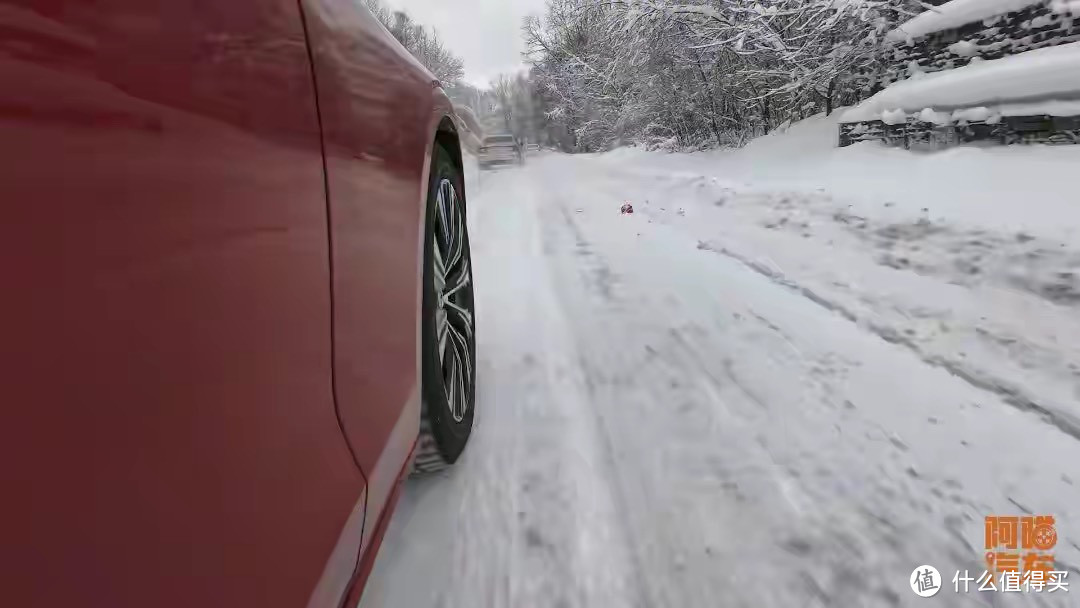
532	147
211	247
499	149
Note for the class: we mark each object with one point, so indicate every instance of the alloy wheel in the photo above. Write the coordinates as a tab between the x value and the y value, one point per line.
454	324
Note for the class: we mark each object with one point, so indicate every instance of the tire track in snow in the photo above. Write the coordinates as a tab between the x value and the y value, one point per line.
572	550
602	564
635	380
528	516
879	502
1014	396
1058	415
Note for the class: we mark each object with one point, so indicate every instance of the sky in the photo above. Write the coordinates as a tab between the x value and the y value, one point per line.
486	34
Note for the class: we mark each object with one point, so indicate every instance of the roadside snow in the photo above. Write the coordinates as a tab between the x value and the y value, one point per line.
951	254
1003	188
1041	75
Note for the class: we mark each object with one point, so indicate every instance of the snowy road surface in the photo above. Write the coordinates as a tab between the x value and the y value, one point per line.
736	397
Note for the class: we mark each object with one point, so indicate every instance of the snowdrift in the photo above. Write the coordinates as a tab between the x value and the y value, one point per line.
989	187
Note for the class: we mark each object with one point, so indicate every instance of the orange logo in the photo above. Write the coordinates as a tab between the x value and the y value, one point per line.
1019	544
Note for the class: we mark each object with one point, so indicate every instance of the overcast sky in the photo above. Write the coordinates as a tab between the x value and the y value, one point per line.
486	34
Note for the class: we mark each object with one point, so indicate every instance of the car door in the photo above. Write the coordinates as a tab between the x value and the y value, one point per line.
378	118
168	434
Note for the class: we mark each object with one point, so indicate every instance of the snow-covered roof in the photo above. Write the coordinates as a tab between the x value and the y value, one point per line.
1042	74
954	14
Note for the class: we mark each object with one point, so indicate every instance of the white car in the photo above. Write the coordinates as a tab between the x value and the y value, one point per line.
500	150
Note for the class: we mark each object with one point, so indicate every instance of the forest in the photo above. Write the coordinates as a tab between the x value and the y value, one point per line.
672	74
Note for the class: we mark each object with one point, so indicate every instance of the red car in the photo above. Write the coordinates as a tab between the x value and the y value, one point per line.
237	296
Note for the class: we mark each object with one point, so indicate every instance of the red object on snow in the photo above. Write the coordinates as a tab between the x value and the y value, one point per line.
626	208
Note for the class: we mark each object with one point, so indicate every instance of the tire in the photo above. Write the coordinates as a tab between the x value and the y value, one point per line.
448	326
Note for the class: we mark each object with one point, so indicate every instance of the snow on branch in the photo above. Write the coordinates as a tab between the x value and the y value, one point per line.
698	69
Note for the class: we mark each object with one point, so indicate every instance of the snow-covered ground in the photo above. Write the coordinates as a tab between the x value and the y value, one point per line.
794	374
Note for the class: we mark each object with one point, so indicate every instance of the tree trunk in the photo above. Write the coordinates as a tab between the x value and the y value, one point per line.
829	96
712	102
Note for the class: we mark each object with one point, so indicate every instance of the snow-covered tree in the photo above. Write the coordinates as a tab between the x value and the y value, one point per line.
691	73
422	42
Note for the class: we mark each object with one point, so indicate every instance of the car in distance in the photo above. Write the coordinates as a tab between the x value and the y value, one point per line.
501	149
237	301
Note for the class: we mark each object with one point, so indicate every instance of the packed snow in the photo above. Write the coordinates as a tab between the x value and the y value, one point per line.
988	114
791	376
1042	77
937	118
964	48
954	14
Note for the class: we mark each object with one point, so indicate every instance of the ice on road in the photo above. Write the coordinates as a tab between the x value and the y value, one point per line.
671	412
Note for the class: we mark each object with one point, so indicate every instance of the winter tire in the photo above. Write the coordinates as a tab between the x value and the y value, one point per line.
448	329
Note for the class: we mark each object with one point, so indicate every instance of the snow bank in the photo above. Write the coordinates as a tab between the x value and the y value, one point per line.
1013	188
954	14
1032	77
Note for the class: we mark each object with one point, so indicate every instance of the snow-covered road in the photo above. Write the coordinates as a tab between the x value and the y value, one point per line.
675	409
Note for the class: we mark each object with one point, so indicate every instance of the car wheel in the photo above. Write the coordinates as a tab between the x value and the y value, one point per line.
448	326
